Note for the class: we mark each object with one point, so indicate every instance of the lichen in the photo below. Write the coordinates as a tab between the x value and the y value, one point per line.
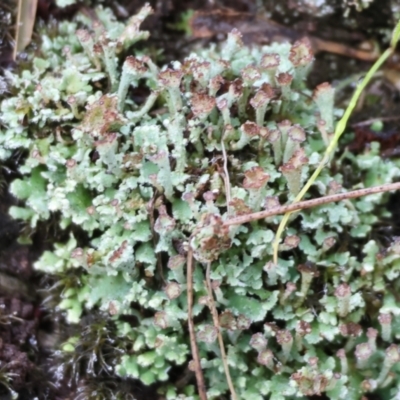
227	131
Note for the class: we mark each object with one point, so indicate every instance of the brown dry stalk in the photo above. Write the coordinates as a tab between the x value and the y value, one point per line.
154	234
214	314
201	387
226	177
301	205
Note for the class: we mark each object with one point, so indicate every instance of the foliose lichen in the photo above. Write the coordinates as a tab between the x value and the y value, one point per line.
150	161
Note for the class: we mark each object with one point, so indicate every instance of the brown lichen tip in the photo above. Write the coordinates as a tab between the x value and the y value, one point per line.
164	223
308	270
263	96
322	90
208	334
161	320
328	243
202	104
274	136
84	36
236	88
215	84
343	290
264	132
239	206
341	353
77	253
343	293
298	159
297	134
392	354
199	69
173	290
176	262
114	202
236	35
266	357
284	337
158	157
132	28
301	53
385	319
255	178
215	284
313	362
101	116
363	351
292	241
310	385
284	125
386	323
303	328
210	238
170	78
209	196
71	100
134	65
351	329
222	103
334	187
250	129
91	210
367	385
290	288
284	79
107	139
270	61
70	163
258	341
243	322
97	49
105	41
227	320
271	202
372	333
250	74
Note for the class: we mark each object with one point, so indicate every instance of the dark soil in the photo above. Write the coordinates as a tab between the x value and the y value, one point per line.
31	329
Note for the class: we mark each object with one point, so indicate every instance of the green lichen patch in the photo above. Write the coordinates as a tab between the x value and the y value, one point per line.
228	131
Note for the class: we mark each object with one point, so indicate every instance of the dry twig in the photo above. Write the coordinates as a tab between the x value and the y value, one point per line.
201	387
25	22
154	234
301	205
214	314
226	177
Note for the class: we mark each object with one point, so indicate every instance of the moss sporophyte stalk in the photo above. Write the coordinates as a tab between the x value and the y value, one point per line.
152	163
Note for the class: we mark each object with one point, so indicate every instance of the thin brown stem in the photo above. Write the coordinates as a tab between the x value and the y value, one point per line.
372	120
301	205
201	387
214	314
226	177
154	234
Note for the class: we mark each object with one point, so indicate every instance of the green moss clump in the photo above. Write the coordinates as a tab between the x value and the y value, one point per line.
230	130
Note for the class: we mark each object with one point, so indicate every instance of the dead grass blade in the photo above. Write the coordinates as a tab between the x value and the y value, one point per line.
25	22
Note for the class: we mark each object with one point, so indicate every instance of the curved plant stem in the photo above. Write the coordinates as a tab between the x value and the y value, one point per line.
214	314
201	387
301	205
226	178
340	127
